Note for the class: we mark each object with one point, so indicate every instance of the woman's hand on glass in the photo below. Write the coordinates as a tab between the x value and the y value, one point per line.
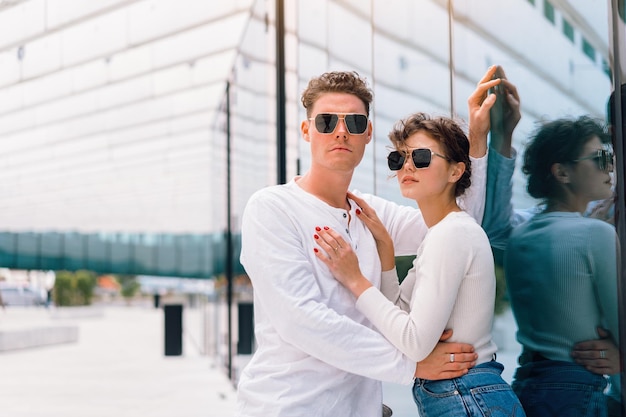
479	105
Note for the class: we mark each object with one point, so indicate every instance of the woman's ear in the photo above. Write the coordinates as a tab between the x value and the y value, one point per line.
560	172
458	169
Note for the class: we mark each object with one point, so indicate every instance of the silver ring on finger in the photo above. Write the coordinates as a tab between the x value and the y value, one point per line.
452	357
603	354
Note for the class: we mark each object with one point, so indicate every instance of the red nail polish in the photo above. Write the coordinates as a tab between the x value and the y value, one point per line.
325	227
315	250
316	236
358	211
317	228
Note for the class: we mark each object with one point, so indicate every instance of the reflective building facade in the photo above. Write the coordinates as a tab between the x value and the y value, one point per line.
112	112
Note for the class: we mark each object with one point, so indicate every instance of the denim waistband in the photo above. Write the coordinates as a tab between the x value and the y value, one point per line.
559	372
492	366
528	356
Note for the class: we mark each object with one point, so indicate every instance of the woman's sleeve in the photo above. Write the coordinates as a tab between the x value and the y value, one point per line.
442	265
473	200
391	289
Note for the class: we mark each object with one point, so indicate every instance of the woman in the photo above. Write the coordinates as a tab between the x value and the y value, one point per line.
452	282
560	269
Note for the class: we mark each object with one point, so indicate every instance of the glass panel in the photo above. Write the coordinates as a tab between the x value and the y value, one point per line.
548	11
188	264
8	242
411	74
145	254
166	256
617	42
568	30
22	21
27	248
121	254
75	248
541	295
559	68
51	251
98	250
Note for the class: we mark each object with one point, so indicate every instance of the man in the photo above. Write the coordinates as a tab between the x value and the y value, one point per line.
317	355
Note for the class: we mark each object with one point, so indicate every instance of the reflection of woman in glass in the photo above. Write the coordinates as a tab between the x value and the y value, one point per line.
560	269
452	283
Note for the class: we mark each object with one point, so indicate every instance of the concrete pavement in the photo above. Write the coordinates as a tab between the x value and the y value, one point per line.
117	368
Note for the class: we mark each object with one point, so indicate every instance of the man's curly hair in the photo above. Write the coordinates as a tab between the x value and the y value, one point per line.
348	82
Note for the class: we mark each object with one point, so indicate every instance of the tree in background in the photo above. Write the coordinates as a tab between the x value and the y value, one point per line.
130	286
74	288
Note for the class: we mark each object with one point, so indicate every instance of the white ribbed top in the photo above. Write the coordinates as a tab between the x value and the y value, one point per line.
451	285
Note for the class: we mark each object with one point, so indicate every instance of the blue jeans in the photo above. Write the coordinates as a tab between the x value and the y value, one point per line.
561	389
481	392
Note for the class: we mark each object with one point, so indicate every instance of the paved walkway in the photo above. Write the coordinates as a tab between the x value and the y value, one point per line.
116	369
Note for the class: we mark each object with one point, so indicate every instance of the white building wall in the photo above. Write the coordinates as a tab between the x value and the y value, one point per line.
112	111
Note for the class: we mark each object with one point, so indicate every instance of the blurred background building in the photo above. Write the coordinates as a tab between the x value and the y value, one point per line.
112	111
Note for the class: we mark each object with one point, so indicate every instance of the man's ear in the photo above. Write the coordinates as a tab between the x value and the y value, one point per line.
370	129
304	129
560	172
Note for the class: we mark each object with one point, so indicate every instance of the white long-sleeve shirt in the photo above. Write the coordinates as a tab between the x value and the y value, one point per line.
317	355
452	284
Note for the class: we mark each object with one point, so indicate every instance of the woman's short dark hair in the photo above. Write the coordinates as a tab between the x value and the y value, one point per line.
558	141
445	131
